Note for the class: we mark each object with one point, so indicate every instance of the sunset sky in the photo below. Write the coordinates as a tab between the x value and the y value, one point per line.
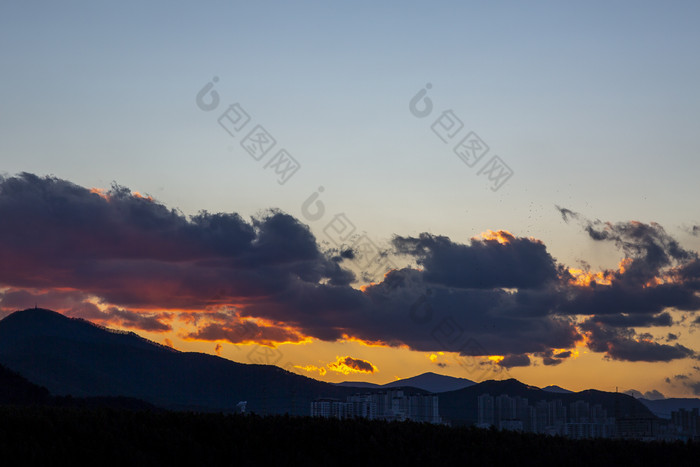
362	191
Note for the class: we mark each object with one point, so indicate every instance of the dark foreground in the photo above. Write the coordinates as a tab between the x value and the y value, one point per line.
52	435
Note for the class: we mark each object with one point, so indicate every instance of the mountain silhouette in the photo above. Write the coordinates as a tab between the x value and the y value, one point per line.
75	357
556	389
431	382
663	407
461	406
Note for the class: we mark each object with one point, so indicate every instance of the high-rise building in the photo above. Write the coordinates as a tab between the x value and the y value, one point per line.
485	411
385	405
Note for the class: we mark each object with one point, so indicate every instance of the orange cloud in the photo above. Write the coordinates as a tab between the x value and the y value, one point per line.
584	278
368	343
100	192
347	365
501	236
312	369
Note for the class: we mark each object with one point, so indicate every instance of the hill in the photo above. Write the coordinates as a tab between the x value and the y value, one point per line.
74	357
556	389
431	382
663	407
461	406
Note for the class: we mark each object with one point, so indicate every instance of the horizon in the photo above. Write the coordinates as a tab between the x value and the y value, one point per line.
630	392
364	192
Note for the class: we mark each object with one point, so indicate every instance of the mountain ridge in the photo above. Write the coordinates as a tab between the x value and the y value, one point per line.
77	358
429	381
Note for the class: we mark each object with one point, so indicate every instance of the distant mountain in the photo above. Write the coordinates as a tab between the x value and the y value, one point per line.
358	384
461	406
557	389
75	357
431	382
663	407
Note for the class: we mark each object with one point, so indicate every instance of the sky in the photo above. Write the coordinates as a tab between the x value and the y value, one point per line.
363	191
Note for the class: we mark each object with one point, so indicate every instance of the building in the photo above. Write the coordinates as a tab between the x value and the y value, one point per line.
686	423
578	420
386	405
485	411
330	408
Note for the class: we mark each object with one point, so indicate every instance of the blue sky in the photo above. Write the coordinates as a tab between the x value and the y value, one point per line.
594	106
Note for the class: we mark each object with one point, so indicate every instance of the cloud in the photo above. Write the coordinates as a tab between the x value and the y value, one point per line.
134	252
634	393
648	245
238	331
695	387
510	361
654	395
550	358
498	260
625	344
127	260
312	369
347	365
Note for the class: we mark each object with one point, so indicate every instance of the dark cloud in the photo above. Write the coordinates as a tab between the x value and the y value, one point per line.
654	395
132	251
115	316
513	360
123	259
648	245
695	386
635	320
505	261
567	214
240	332
549	361
649	395
689	274
620	298
448	318
624	344
634	393
352	365
550	358
671	337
